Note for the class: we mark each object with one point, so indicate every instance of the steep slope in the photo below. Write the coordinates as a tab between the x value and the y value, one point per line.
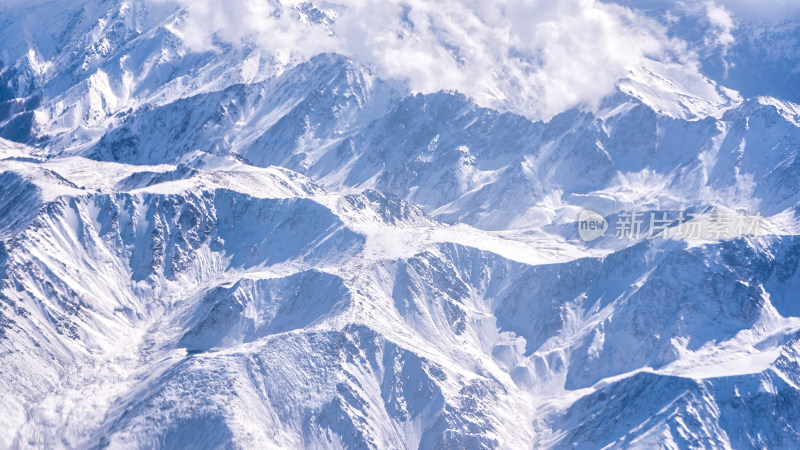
72	70
162	305
271	123
332	120
229	248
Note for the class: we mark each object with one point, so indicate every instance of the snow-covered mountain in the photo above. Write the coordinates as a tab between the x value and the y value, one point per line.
222	246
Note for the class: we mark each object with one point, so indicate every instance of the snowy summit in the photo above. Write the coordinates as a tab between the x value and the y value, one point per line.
399	224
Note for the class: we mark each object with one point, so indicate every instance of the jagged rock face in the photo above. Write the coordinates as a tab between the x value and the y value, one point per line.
213	249
335	122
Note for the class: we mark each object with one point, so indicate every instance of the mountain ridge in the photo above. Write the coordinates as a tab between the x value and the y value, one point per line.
228	249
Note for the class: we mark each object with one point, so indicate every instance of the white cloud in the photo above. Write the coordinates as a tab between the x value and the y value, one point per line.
538	57
722	23
720	33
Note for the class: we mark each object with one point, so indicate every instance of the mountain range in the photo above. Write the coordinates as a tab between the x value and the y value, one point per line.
217	248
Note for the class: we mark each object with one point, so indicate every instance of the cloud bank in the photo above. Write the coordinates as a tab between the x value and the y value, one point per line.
538	57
